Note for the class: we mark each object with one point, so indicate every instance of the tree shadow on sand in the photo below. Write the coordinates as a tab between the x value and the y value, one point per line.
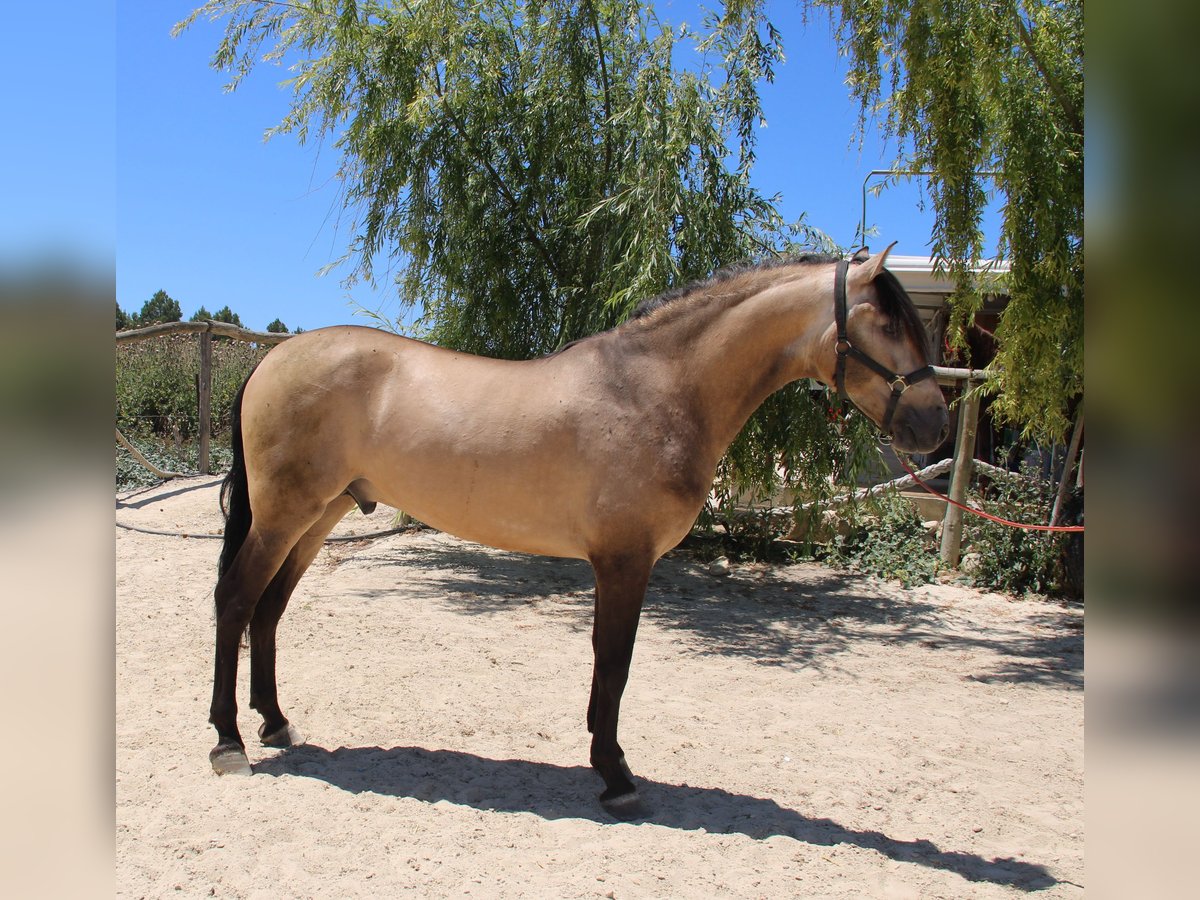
770	616
562	792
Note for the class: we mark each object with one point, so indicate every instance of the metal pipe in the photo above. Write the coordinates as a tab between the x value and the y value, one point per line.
923	173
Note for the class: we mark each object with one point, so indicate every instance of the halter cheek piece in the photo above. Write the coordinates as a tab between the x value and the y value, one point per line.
898	383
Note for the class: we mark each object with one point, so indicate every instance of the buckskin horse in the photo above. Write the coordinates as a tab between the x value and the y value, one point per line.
604	450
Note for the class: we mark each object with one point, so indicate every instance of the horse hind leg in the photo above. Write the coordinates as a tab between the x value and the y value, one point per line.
237	596
276	730
267	545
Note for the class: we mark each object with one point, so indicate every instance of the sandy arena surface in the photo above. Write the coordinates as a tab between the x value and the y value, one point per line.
797	732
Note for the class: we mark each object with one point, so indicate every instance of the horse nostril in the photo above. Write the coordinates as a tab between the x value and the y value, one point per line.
945	432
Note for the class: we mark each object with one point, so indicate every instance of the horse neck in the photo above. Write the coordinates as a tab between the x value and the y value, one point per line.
737	352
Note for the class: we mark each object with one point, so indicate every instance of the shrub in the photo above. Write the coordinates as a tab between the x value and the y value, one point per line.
1016	560
886	538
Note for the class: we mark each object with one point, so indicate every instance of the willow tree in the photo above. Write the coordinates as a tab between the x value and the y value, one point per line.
994	86
530	171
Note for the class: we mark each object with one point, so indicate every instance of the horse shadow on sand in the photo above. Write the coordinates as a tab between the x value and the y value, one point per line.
565	792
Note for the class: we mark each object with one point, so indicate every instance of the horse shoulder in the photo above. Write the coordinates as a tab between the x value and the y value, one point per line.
650	437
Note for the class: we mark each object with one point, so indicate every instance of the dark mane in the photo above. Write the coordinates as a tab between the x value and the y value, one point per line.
895	303
894	300
646	307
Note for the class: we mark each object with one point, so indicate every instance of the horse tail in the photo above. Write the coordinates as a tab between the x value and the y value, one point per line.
235	492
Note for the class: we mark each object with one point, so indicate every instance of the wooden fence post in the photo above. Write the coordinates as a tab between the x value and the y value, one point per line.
964	460
205	400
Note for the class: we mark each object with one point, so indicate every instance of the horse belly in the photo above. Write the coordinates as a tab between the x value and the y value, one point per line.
500	506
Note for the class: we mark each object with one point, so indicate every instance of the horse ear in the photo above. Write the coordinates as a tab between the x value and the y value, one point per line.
862	255
874	265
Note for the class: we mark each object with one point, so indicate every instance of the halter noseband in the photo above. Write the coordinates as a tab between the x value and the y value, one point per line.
898	383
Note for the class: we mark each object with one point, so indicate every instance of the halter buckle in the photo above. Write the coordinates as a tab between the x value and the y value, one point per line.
899	384
843	346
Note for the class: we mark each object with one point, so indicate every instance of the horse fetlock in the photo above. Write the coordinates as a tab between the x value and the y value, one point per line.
624	767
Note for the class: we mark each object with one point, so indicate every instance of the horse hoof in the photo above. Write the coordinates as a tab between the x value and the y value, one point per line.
229	760
286	736
624	807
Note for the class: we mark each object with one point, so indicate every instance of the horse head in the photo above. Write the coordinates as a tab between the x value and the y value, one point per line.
880	358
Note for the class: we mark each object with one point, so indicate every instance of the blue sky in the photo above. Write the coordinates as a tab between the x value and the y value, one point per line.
57	191
212	214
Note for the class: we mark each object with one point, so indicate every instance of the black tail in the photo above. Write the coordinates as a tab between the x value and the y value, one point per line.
235	495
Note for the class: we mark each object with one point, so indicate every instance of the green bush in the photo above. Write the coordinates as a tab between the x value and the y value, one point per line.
157	402
886	538
1015	560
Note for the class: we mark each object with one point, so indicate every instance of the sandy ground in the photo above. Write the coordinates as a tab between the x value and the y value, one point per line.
797	732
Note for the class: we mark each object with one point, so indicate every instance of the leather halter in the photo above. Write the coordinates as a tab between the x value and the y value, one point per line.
898	383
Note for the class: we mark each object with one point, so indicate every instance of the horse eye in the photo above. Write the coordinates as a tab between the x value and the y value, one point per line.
891	330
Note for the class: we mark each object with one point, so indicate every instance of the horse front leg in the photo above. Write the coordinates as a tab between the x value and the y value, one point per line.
620	589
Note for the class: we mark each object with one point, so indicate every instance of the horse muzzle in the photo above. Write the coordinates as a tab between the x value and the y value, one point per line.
920	429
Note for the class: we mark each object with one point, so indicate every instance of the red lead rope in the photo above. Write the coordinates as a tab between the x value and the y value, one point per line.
979	512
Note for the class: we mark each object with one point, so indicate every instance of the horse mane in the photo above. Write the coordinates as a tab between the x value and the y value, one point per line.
894	301
678	296
900	310
722	276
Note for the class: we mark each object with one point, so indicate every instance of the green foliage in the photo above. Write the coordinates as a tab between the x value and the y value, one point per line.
159	308
795	444
168	456
887	539
540	167
277	327
123	320
156	384
225	314
1016	560
998	86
